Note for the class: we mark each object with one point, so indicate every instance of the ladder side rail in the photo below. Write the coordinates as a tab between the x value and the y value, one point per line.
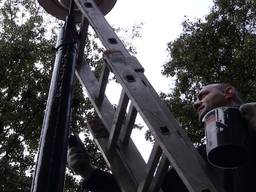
164	127
180	132
90	83
97	20
105	111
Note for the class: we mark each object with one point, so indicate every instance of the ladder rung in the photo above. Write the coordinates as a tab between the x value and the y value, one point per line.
151	168
103	84
128	125
160	174
118	120
82	39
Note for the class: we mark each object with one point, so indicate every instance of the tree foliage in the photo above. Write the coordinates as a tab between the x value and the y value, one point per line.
26	57
218	48
23	91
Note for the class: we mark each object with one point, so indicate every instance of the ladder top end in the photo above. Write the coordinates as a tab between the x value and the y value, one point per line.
60	8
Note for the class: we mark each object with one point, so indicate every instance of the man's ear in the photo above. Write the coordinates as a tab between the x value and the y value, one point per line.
229	92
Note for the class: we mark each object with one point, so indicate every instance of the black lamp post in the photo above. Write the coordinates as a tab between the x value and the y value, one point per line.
51	162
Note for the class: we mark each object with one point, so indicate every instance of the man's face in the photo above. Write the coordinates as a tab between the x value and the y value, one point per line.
210	97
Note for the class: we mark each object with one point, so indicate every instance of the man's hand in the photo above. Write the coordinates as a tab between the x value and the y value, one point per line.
248	111
78	159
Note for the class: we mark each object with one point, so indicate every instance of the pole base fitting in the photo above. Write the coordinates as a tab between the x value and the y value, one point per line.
60	8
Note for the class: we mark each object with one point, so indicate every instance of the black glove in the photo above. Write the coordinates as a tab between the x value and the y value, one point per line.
77	158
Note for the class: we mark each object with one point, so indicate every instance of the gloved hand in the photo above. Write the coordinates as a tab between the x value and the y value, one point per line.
77	158
248	111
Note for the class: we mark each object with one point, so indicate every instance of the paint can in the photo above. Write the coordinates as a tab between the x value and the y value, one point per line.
226	135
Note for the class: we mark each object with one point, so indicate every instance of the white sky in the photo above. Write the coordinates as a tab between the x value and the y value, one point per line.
162	24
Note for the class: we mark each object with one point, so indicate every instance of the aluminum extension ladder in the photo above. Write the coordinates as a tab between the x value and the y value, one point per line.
172	146
112	132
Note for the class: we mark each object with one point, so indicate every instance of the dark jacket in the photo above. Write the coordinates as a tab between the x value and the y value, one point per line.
242	179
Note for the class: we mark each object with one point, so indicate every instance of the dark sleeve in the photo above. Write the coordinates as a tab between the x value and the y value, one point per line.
101	181
173	183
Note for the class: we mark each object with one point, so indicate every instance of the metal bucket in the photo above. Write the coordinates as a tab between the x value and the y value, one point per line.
226	134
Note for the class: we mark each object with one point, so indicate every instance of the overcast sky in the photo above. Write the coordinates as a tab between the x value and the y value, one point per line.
162	23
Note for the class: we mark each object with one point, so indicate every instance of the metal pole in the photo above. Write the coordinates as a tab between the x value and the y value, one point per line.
51	162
